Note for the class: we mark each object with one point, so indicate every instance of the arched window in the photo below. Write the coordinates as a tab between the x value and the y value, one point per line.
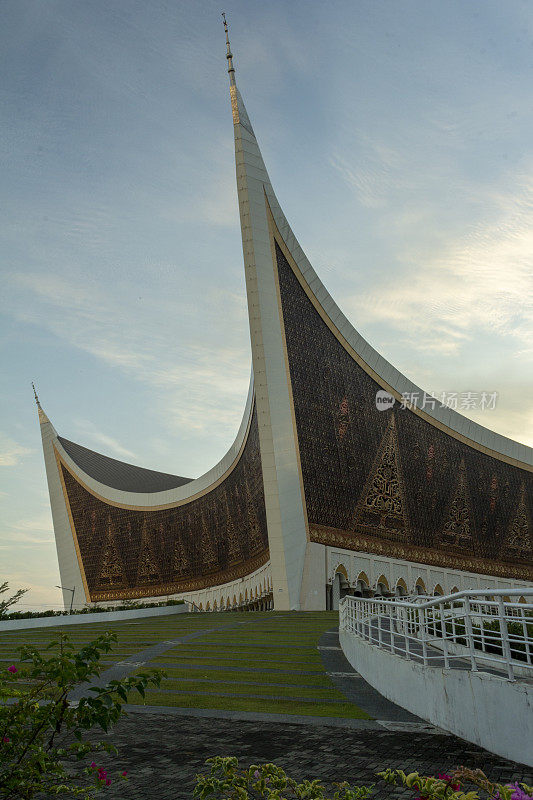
382	586
401	588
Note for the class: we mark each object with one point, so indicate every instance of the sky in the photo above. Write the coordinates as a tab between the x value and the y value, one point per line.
397	136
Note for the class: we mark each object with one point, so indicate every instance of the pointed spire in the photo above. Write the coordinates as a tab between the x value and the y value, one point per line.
43	419
35	395
229	55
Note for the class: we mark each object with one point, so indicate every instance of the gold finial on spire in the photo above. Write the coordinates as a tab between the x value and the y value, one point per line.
229	55
35	394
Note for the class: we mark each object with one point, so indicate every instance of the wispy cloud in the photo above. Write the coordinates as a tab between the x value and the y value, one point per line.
193	382
11	453
33	530
480	279
379	168
91	434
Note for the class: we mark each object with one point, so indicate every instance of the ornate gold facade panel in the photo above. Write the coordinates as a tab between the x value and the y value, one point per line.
382	507
284	252
214	539
389	479
518	540
457	530
342	419
112	574
359	542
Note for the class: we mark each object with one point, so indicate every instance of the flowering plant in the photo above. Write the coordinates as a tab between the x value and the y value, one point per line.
226	780
41	732
450	787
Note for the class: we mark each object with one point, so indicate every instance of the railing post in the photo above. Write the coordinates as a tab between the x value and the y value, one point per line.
422	629
482	614
454	638
526	637
469	634
406	634
504	635
444	639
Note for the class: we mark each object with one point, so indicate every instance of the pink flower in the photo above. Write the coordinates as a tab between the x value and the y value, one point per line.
124	774
12	668
108	782
518	792
444	777
93	765
6	739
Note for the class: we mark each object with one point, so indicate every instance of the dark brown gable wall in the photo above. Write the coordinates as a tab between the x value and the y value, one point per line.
388	481
214	539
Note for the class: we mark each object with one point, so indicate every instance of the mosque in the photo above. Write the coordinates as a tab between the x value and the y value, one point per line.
344	476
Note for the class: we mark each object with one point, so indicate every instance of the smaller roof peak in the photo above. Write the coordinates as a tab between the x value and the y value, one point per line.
229	55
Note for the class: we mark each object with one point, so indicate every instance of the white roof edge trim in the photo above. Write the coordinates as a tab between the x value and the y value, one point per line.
179	493
455	422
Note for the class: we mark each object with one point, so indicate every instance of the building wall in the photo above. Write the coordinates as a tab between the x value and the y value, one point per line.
398	576
214	539
389	482
485	709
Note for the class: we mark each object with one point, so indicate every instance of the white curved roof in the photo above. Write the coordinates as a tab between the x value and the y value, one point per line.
171	496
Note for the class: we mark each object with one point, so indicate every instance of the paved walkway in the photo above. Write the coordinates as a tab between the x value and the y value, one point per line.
163	752
355	688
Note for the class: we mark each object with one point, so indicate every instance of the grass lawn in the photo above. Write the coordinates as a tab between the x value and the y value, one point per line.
237	687
343	710
243	663
291	678
236	650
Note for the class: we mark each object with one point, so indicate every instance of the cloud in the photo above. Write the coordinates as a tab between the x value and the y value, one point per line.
377	170
34	530
11	453
40	522
88	429
193	383
480	279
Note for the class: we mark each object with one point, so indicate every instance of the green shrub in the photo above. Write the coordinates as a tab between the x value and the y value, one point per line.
42	744
226	781
127	605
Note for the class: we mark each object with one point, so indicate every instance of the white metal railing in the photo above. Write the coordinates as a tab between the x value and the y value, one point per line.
470	629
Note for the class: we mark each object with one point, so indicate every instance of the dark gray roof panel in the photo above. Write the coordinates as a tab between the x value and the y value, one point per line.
118	474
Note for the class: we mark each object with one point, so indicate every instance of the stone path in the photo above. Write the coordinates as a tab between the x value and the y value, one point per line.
355	688
126	666
163	752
